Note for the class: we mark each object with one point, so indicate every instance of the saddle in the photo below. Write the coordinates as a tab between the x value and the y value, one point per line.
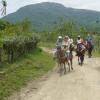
80	49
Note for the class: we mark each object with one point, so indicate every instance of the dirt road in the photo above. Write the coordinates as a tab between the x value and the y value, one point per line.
81	84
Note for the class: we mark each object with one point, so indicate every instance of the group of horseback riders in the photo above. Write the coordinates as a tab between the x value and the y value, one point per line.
65	47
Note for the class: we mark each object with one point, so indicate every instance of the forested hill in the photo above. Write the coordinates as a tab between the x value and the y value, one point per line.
46	15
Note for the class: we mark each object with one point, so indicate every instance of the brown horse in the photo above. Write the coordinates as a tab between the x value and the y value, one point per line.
62	60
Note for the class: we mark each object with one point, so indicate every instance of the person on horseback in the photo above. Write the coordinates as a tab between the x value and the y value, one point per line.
61	60
89	44
80	50
78	39
67	47
66	42
80	43
89	39
59	41
77	43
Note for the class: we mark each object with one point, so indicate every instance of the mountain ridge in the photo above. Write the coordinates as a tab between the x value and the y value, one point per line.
45	15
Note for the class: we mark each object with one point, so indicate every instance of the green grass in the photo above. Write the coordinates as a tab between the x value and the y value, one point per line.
29	67
96	54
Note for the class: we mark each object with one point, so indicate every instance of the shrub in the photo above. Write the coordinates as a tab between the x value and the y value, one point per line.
19	45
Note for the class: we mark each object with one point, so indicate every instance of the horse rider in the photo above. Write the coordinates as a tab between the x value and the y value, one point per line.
59	41
80	44
58	45
89	39
77	43
89	44
80	41
66	45
78	38
66	41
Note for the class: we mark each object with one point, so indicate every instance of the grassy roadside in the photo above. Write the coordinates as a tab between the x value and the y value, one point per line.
48	45
16	75
96	54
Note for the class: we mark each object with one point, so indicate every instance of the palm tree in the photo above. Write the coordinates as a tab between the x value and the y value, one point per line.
3	9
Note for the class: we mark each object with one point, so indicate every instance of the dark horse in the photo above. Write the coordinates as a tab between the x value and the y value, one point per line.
89	47
80	53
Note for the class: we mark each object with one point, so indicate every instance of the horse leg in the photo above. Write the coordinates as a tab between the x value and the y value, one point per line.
82	59
69	65
60	69
64	68
71	61
91	52
78	60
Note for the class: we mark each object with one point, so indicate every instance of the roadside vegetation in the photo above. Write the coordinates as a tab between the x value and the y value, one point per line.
21	59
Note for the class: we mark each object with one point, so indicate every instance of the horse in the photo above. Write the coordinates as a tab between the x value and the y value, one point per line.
89	48
80	53
61	59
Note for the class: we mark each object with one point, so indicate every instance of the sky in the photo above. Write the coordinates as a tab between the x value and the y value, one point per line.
14	5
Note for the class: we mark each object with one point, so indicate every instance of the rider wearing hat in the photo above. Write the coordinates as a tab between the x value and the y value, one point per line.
66	45
66	41
59	42
89	39
78	39
80	44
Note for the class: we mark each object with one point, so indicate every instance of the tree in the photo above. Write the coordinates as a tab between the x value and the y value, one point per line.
4	5
23	27
3	24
